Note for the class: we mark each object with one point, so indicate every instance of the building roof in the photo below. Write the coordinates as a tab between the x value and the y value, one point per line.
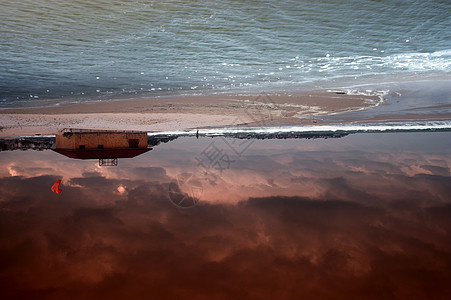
78	130
102	153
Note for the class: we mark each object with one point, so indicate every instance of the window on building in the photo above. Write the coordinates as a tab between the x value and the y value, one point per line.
133	143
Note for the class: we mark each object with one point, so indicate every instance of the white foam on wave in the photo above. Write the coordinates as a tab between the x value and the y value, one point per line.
414	61
348	128
380	94
441	53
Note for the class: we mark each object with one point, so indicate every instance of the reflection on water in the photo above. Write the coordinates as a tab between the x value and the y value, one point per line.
362	216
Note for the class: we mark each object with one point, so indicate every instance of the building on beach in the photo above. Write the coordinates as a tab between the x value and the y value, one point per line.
106	146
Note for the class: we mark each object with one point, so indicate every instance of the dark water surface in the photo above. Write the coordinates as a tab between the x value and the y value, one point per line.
362	216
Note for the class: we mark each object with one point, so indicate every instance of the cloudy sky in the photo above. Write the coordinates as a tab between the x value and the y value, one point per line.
364	217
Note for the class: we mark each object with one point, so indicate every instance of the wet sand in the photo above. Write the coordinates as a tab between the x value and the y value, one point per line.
179	113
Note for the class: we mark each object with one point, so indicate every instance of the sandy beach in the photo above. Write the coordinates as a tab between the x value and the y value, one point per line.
178	113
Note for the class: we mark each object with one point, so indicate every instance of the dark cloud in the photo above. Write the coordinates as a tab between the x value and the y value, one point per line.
340	188
141	246
151	173
437	170
429	188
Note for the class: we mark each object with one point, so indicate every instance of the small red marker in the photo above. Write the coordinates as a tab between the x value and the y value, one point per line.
56	187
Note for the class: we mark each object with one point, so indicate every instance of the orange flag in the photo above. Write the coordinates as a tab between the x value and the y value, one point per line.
56	187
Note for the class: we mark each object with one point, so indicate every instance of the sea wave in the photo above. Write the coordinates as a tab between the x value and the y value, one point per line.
343	128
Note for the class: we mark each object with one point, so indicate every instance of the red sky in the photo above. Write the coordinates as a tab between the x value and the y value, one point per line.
334	222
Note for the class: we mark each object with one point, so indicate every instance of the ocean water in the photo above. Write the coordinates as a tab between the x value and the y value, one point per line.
102	49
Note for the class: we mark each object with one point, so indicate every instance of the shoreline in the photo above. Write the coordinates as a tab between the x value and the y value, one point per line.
179	113
197	112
